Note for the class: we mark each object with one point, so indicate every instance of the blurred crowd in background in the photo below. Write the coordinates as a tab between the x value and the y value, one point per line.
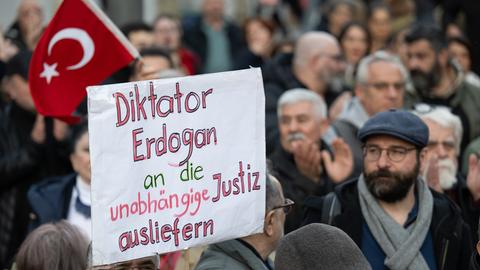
327	65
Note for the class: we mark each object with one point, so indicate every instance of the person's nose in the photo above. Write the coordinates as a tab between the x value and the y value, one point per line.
383	160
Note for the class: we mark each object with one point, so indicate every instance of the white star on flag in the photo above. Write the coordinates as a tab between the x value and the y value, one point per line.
49	72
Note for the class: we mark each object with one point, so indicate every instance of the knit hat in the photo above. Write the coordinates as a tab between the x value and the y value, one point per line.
319	246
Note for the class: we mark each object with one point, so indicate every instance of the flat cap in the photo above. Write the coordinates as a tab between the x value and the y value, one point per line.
400	124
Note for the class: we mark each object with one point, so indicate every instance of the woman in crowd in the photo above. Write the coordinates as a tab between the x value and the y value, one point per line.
354	40
379	25
259	35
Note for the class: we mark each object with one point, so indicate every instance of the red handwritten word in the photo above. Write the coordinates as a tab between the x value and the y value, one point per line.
172	142
153	234
188	202
225	189
135	108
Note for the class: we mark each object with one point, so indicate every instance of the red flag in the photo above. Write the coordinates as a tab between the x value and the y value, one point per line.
80	47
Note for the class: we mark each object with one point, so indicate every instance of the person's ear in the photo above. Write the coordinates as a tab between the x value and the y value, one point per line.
268	227
478	247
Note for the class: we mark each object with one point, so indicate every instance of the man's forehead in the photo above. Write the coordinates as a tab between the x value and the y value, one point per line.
304	107
437	130
386	141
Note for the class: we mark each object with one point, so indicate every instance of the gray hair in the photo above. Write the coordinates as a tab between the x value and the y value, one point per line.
296	95
378	56
53	246
445	118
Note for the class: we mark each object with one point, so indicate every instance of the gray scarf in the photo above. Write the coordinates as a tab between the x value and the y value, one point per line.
401	245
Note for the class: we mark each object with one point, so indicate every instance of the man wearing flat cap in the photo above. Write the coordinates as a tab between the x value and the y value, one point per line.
389	211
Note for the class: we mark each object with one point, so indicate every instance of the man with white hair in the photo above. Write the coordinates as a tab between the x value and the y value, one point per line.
315	61
380	86
303	163
440	168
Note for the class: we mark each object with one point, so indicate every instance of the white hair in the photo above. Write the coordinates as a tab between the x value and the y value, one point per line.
296	95
378	56
445	118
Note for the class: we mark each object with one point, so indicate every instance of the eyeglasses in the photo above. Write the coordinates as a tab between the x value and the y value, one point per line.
287	206
383	86
394	153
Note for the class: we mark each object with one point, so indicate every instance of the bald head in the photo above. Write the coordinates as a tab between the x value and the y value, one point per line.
311	44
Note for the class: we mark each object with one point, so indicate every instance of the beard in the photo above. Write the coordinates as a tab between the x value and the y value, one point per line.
390	186
424	82
447	172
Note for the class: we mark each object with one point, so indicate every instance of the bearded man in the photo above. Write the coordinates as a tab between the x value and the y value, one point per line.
441	167
389	211
439	80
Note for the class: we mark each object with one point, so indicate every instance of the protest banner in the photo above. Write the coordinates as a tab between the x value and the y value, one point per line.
176	163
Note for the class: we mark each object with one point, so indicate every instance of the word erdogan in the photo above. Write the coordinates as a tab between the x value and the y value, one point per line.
136	107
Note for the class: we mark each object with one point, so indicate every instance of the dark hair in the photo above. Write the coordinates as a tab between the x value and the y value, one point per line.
53	246
134	27
431	33
265	23
76	133
333	4
376	5
462	41
157	51
351	24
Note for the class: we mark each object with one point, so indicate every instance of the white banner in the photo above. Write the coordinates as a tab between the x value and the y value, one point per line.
176	163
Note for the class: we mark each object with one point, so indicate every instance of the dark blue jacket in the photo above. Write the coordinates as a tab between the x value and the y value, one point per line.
50	199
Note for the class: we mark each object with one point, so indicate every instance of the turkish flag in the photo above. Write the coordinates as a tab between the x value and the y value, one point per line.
80	47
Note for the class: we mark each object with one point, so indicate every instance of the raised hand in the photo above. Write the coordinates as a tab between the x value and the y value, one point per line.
307	158
341	167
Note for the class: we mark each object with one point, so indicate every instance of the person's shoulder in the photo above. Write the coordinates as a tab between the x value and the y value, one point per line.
444	208
470	90
54	183
216	257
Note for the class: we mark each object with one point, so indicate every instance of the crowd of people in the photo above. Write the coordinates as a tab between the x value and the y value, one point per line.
372	127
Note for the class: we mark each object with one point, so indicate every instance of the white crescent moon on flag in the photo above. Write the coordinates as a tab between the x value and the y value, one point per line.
79	35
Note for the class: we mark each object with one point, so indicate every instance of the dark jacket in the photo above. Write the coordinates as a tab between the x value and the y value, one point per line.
475	261
451	236
50	199
278	77
195	38
19	168
460	194
296	186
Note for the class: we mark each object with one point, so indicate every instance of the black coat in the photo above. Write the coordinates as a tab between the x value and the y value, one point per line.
452	240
